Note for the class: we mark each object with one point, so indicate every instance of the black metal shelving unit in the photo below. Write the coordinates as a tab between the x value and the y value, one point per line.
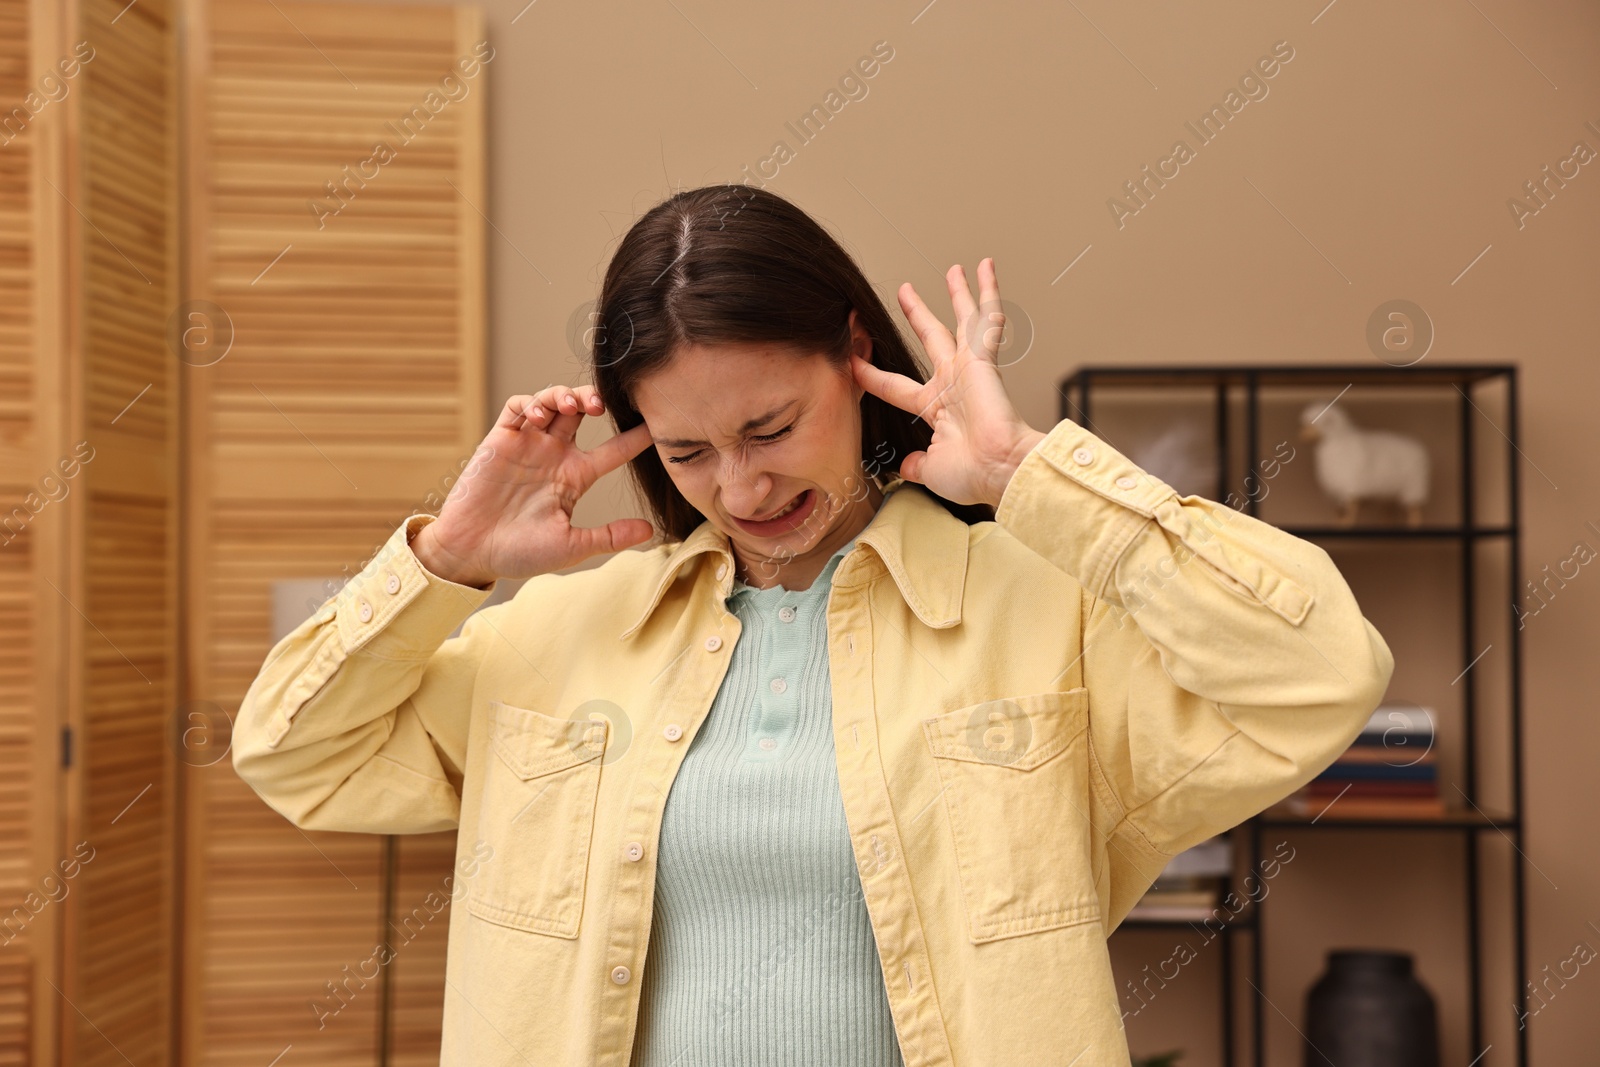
1472	821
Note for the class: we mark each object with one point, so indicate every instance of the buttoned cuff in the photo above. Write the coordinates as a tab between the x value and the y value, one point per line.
1109	502
397	605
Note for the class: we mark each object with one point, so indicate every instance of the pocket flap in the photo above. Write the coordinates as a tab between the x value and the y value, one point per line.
1016	732
533	744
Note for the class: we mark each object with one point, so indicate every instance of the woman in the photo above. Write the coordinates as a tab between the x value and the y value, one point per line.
993	679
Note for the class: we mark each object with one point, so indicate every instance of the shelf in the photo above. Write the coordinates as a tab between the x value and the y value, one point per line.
1463	819
1139	920
1419	533
1242	374
1230	412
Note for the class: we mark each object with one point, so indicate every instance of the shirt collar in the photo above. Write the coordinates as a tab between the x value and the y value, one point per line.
819	585
913	536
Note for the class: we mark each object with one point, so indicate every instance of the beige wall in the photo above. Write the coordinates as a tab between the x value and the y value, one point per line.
1378	166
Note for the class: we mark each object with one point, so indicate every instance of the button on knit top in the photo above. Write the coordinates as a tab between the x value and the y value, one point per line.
761	950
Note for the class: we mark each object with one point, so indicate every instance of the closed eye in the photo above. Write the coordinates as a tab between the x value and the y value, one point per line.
761	439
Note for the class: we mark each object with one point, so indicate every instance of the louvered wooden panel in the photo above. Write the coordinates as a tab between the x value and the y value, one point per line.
353	387
129	182
18	714
284	915
284	912
88	621
16	238
353	338
119	965
16	1015
417	929
122	963
18	722
31	555
19	811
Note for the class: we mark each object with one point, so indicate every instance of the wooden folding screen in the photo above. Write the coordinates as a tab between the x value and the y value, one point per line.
26	818
27	805
88	570
123	629
334	386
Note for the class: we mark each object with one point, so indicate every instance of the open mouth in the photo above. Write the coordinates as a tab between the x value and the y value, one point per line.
790	517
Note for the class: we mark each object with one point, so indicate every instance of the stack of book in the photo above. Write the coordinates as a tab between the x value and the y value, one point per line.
1190	887
1391	769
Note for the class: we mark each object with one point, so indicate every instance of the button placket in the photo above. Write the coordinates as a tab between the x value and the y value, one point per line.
758	607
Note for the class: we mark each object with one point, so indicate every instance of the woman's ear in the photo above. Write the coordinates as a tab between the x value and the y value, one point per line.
847	371
860	340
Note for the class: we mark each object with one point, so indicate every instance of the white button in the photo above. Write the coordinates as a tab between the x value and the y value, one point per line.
779	685
1126	482
722	571
366	612
620	975
672	732
786	613
634	851
1084	456
767	743
392	584
713	643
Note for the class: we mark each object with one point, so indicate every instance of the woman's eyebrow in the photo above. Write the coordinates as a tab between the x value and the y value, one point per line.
751	424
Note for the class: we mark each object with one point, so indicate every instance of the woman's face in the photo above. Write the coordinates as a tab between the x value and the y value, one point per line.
749	432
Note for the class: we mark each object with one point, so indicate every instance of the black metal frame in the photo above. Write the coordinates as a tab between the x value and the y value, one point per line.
1467	533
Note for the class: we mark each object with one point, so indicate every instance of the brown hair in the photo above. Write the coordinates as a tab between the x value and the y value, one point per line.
736	264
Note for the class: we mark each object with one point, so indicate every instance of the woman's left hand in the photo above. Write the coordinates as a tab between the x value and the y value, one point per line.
978	438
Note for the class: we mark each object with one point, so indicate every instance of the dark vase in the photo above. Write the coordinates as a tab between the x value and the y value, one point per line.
1369	1010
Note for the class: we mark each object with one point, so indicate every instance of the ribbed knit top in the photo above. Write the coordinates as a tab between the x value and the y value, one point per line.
761	950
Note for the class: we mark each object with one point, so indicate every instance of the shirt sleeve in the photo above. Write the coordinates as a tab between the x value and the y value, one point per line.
1226	661
358	719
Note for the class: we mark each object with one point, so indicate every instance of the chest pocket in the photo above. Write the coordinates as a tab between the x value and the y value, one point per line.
541	777
1015	783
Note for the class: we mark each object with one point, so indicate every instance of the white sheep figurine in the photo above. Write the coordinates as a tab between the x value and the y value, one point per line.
1355	464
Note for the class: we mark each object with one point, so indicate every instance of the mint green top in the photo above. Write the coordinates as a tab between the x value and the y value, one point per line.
761	950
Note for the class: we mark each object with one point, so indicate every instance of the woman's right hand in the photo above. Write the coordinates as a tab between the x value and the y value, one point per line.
510	513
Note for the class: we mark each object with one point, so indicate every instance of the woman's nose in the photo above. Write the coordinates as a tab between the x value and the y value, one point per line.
744	491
